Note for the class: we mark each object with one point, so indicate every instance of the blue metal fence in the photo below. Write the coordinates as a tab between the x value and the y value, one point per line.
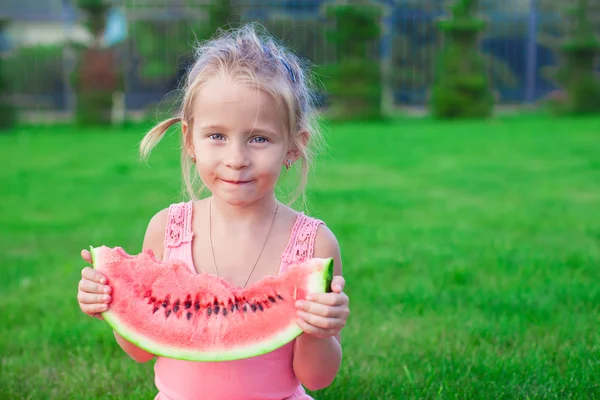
515	44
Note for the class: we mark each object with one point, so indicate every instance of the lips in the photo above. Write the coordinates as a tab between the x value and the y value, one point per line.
235	182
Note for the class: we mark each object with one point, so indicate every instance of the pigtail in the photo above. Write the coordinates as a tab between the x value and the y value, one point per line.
155	135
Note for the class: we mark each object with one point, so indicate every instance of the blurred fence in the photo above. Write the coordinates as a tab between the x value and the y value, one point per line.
153	41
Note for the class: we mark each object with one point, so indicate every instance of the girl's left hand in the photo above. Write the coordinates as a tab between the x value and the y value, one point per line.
324	314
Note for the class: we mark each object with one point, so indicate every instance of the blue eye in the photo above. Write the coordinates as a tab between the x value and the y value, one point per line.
260	139
216	136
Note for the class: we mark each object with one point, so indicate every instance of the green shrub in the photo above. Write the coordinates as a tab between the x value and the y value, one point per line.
97	75
95	80
577	74
354	82
163	47
94	107
461	86
35	69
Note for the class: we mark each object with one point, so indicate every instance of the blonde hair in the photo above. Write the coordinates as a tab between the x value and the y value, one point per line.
257	60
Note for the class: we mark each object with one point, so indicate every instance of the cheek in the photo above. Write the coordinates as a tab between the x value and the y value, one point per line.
272	163
205	164
270	172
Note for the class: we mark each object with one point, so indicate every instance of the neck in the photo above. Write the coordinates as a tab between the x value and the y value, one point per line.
243	215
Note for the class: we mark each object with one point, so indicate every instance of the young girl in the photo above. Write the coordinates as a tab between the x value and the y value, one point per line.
246	114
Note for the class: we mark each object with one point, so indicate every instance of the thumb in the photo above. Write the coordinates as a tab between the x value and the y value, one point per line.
338	283
86	255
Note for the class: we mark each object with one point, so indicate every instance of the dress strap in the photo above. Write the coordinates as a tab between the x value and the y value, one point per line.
179	224
302	242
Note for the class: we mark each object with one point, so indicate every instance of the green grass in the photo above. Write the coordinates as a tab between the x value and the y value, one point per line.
471	252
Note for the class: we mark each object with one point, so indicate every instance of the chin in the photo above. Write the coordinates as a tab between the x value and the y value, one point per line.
235	199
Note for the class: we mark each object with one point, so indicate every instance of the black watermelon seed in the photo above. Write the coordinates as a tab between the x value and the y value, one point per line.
165	303
260	307
189	315
279	297
209	311
233	307
155	309
245	308
216	309
253	307
271	299
197	305
187	304
176	308
168	313
224	312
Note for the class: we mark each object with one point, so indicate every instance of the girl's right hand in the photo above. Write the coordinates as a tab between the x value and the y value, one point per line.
93	295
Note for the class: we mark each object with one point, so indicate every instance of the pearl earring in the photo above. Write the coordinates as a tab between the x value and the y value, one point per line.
288	164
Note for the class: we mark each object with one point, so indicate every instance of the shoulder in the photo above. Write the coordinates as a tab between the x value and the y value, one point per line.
327	245
155	233
157	223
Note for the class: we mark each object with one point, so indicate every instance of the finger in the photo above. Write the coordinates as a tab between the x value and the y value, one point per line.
98	316
91	309
93	275
323	310
90	298
86	255
329	299
88	286
313	330
321	322
337	284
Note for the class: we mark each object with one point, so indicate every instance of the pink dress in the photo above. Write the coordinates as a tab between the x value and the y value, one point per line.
265	377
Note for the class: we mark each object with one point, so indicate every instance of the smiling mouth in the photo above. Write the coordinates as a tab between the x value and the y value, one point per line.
235	182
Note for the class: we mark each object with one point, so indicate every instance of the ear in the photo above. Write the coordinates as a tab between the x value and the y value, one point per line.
186	131
294	153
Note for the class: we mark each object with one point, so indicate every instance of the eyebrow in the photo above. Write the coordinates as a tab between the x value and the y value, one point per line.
221	128
212	128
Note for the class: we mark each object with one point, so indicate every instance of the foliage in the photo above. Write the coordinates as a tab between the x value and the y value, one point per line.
306	39
163	44
414	47
160	44
461	87
96	12
35	69
577	75
97	75
354	81
220	14
8	111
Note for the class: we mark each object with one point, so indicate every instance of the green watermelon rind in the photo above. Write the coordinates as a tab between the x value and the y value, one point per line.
320	282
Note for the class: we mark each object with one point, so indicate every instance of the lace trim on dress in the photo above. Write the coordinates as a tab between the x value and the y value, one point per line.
179	224
302	242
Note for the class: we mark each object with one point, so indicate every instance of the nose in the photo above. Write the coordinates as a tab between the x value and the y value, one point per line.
236	157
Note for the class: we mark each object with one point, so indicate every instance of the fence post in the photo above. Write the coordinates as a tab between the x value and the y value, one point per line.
68	54
385	60
531	54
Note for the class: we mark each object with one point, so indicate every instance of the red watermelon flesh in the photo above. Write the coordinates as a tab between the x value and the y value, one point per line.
169	310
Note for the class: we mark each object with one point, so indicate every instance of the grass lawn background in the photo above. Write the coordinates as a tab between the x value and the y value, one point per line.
471	252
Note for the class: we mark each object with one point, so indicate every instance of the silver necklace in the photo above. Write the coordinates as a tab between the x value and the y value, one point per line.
261	250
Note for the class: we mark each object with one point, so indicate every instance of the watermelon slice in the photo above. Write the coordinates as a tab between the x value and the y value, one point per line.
168	310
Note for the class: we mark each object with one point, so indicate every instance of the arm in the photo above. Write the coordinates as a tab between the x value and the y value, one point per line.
318	351
153	239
